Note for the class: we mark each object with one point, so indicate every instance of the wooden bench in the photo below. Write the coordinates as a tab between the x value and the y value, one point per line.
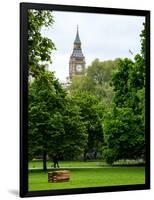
58	176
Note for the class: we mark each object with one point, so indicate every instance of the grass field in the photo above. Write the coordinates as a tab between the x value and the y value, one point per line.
39	164
84	177
99	163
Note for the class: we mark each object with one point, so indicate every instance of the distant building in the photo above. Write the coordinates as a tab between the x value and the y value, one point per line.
77	59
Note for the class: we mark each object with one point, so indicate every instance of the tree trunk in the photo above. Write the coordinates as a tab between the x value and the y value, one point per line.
44	160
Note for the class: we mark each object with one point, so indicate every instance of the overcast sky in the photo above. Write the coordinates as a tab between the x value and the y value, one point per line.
102	36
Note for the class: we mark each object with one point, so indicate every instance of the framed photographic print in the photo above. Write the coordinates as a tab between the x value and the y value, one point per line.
84	99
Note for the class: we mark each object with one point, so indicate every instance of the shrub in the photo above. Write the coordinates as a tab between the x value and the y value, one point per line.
109	155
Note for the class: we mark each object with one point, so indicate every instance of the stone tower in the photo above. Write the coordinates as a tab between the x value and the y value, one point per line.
77	59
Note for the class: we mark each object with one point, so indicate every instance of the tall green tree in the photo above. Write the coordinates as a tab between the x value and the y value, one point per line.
40	48
75	130
55	124
124	135
91	111
125	126
46	97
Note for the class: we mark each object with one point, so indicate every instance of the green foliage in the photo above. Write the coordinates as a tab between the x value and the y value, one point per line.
96	81
100	72
143	39
137	73
91	112
109	155
102	110
124	134
55	124
127	81
120	81
124	125
93	93
71	143
39	48
46	98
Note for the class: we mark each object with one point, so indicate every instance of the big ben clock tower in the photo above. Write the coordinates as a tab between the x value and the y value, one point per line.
77	59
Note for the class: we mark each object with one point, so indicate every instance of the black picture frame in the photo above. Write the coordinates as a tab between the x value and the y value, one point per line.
24	98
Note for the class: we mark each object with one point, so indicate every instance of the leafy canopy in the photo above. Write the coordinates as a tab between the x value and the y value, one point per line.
39	48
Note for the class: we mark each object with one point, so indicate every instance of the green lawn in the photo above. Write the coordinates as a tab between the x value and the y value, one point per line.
98	163
84	177
39	164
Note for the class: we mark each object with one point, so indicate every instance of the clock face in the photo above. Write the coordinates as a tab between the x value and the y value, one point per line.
78	68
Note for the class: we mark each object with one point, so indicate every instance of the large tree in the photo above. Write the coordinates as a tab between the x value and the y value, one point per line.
125	125
55	124
128	80
91	111
46	97
40	48
75	130
124	135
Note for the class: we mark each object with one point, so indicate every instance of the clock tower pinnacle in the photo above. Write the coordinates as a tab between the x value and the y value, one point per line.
77	59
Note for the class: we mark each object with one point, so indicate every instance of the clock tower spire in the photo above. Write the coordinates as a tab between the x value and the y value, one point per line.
77	59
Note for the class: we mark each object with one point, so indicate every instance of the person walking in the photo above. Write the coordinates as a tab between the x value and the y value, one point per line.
55	161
